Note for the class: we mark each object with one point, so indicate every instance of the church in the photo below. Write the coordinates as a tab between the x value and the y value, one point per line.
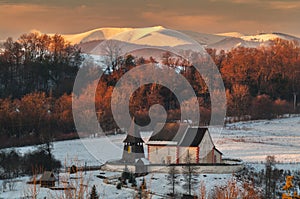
180	143
172	143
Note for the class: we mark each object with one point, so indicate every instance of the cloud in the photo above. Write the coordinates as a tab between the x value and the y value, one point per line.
52	3
74	16
271	4
172	19
285	5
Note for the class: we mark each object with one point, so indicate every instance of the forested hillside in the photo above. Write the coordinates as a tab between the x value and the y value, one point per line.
38	72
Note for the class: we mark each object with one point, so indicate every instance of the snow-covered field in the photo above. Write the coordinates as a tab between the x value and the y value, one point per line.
250	141
156	183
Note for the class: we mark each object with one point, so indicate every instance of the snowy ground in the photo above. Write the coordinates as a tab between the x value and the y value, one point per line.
156	184
253	141
250	141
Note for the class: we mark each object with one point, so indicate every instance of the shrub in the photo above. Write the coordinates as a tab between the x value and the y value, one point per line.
119	185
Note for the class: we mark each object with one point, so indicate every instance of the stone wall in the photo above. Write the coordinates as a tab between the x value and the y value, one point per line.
216	169
227	167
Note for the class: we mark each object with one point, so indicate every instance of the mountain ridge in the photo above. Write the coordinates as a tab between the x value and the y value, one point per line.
161	36
145	36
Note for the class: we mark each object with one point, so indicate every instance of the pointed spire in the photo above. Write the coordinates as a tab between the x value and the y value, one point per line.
131	130
133	135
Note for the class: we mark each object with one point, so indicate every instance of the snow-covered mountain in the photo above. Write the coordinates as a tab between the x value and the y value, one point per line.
232	42
160	36
264	37
141	36
231	34
93	35
234	39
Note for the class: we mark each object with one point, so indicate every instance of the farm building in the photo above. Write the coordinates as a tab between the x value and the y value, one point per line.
179	143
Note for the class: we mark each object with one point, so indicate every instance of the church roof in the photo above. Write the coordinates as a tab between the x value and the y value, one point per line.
133	135
218	151
193	136
180	134
168	132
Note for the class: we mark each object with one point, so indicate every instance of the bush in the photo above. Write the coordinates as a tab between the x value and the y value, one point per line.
10	161
126	174
37	161
134	183
40	160
262	107
119	185
281	107
73	169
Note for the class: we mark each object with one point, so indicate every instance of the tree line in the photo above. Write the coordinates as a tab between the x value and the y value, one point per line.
38	73
38	62
35	118
13	164
262	82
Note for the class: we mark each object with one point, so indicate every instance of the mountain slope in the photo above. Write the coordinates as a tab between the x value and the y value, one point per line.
233	42
96	34
268	37
231	34
160	36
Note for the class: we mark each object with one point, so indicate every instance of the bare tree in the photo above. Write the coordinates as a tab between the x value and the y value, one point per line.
189	172
238	100
202	190
173	174
33	189
112	51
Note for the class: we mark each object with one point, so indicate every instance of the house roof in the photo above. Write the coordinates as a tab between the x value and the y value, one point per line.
133	135
180	134
47	176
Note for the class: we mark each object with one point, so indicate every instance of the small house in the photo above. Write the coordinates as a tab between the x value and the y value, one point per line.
47	179
180	143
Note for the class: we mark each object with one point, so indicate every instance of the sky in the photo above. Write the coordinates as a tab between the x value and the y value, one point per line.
207	16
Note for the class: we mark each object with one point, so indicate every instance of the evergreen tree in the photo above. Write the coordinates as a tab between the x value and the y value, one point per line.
94	194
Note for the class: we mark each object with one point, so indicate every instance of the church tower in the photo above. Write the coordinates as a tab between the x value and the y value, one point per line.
133	145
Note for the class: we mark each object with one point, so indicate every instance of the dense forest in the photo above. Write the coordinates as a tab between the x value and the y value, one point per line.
37	73
261	82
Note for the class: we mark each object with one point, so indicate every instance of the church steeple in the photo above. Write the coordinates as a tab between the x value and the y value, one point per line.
133	145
